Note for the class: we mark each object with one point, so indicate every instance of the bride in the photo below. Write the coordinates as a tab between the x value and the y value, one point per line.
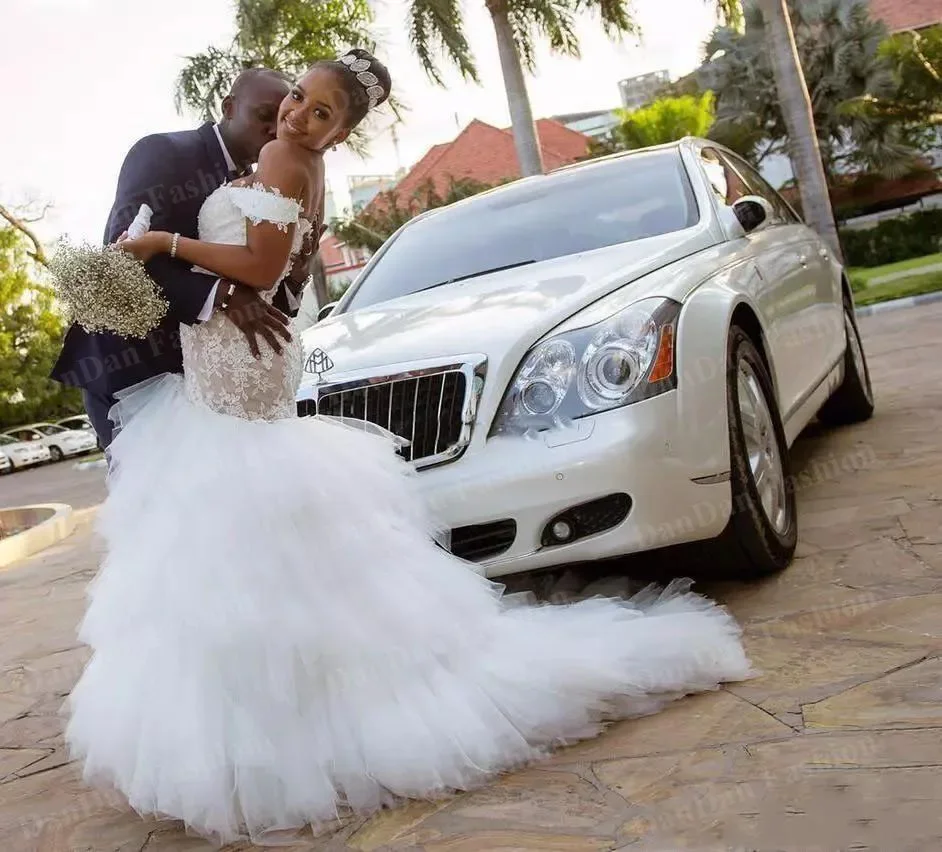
276	637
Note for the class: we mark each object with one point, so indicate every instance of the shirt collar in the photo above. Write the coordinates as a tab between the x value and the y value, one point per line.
230	163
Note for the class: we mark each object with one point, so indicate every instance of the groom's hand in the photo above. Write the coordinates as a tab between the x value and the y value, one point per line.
255	318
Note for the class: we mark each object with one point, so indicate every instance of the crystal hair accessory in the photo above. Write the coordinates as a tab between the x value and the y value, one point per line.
360	68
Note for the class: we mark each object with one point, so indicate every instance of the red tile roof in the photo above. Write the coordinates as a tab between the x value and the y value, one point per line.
907	14
331	252
486	153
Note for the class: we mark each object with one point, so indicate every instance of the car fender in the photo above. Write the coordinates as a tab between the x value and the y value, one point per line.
701	352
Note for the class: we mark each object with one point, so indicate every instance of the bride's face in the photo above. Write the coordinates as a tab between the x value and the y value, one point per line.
314	114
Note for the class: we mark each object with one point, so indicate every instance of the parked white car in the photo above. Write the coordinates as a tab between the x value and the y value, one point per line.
23	453
78	422
60	442
5	465
605	360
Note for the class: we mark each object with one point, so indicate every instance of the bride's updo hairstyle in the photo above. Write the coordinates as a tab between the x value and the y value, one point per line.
365	81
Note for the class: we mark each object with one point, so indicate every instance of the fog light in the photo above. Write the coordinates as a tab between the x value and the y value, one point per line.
561	530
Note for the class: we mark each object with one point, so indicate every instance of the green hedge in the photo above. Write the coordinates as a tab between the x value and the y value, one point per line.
893	240
915	285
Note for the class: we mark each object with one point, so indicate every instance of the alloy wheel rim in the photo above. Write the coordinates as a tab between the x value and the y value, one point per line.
765	458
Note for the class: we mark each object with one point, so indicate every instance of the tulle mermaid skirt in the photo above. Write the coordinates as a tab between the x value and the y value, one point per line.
277	639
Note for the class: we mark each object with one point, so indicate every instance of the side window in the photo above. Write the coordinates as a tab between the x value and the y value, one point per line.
760	186
728	185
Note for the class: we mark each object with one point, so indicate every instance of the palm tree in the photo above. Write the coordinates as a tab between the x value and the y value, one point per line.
437	25
795	109
804	151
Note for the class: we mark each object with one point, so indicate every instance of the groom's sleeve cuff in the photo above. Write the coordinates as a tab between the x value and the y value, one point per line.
207	312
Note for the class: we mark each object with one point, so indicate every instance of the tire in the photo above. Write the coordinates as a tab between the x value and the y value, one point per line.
852	402
55	454
762	532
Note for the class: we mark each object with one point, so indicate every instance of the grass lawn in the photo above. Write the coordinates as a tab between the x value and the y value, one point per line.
911	266
914	285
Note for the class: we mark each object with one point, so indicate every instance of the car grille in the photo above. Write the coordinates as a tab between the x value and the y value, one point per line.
426	410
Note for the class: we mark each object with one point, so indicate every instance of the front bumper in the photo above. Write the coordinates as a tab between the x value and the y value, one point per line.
33	458
633	450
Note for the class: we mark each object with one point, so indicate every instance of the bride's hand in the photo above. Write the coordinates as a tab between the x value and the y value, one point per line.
146	246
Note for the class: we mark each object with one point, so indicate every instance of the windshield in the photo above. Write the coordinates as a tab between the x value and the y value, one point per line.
50	430
619	201
5	441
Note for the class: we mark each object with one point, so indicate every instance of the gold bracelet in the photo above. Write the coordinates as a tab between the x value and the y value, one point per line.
173	245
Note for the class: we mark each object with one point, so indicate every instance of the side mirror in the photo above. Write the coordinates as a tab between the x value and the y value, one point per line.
753	212
326	311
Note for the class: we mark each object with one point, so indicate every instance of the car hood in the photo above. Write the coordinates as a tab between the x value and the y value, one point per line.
498	315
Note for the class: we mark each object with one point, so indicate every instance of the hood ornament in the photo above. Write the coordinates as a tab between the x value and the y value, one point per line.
318	363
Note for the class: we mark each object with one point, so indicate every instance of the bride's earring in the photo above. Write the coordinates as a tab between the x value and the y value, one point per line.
333	147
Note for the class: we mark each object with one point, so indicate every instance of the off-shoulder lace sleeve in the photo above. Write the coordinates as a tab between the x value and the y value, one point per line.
260	204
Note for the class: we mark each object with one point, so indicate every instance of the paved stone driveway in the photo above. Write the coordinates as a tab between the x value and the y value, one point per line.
837	747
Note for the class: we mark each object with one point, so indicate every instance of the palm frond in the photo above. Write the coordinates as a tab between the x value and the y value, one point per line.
730	13
436	29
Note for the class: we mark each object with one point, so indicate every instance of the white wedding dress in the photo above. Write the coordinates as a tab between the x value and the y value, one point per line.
278	640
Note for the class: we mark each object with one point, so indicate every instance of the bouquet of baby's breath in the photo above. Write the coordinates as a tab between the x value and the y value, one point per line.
107	289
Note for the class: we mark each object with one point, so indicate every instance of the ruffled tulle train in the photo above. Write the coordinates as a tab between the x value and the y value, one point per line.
276	637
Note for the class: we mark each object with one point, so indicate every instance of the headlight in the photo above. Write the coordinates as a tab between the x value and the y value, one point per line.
626	358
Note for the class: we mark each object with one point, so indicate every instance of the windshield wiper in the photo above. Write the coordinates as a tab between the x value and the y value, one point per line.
475	275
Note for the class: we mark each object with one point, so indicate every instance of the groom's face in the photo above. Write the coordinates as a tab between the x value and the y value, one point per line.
252	115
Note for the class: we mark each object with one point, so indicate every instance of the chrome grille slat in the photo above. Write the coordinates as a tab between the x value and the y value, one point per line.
415	408
438	420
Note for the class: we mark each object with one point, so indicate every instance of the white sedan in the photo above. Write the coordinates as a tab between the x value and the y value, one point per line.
79	422
60	442
22	454
609	359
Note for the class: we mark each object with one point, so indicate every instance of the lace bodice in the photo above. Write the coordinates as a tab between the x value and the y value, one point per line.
218	366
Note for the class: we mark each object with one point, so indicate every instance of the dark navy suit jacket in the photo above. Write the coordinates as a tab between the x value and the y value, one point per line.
173	173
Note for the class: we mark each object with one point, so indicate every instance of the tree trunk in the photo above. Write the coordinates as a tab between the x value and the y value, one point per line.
804	151
319	282
521	115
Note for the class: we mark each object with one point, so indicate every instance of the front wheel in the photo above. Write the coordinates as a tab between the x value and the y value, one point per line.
852	402
55	454
762	532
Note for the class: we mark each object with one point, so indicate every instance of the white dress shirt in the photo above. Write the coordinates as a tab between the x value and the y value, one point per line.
207	311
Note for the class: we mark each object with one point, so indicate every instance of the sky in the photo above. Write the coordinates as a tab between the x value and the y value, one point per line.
82	80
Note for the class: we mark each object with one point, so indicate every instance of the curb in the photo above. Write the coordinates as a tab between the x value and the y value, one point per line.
53	522
896	304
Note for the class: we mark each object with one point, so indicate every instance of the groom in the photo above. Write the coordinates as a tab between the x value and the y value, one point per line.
174	173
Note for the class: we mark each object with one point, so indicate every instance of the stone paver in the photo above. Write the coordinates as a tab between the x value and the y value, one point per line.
837	746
